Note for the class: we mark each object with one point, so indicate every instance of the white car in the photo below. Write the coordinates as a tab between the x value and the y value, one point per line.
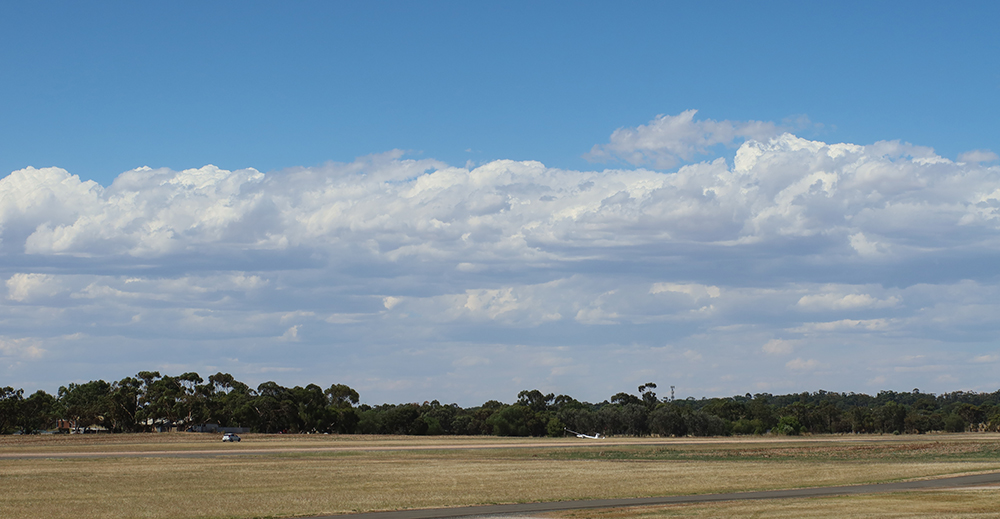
230	437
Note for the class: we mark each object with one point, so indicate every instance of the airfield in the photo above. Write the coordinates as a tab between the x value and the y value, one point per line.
190	475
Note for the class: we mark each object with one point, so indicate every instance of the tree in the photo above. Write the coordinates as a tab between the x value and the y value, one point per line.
761	409
10	408
625	399
510	421
666	420
971	414
860	419
38	412
648	396
124	408
273	405
608	420
87	404
634	419
727	409
578	418
788	425
228	402
311	412
341	400
192	400
555	427
535	400
889	417
342	396
161	399
700	423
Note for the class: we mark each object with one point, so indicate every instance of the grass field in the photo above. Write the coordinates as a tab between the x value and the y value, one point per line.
193	475
964	504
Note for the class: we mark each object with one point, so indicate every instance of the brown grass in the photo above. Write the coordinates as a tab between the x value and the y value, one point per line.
303	475
954	504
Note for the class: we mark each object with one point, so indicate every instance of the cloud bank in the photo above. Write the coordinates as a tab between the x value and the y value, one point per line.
800	265
668	139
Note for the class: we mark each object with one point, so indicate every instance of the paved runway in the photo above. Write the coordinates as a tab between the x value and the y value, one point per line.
530	508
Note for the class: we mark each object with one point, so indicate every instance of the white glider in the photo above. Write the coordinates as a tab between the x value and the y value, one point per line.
596	436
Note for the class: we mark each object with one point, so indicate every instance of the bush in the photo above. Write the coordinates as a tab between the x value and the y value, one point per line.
788	426
744	426
954	423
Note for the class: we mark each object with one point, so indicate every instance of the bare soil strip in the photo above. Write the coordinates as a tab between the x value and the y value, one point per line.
969	481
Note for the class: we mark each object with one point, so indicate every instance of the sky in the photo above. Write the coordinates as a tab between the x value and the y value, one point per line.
458	201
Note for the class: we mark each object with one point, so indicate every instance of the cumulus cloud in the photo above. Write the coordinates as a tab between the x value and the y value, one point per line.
691	289
844	325
835	301
668	139
864	201
390	267
22	287
23	348
978	156
291	334
802	364
692	355
779	347
866	246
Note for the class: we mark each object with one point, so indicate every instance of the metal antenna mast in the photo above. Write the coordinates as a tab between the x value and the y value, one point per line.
671	393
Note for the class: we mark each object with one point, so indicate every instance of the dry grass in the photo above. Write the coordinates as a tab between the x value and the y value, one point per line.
956	504
324	475
168	442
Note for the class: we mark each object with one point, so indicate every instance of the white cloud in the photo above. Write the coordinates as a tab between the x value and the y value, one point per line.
509	305
865	253
596	315
844	325
469	361
872	199
801	365
291	334
694	290
779	346
692	355
345	318
978	156
24	348
667	139
834	301
866	246
144	212
492	303
297	315
23	287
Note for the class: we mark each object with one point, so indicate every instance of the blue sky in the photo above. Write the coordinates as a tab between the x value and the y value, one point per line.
100	89
461	200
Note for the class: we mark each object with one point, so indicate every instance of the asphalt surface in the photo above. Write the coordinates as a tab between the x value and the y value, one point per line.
534	508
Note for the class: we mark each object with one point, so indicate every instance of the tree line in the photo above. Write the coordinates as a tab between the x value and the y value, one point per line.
150	401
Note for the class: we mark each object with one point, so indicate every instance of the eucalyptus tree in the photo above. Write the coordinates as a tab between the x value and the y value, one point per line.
87	404
38	412
124	405
341	400
10	408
